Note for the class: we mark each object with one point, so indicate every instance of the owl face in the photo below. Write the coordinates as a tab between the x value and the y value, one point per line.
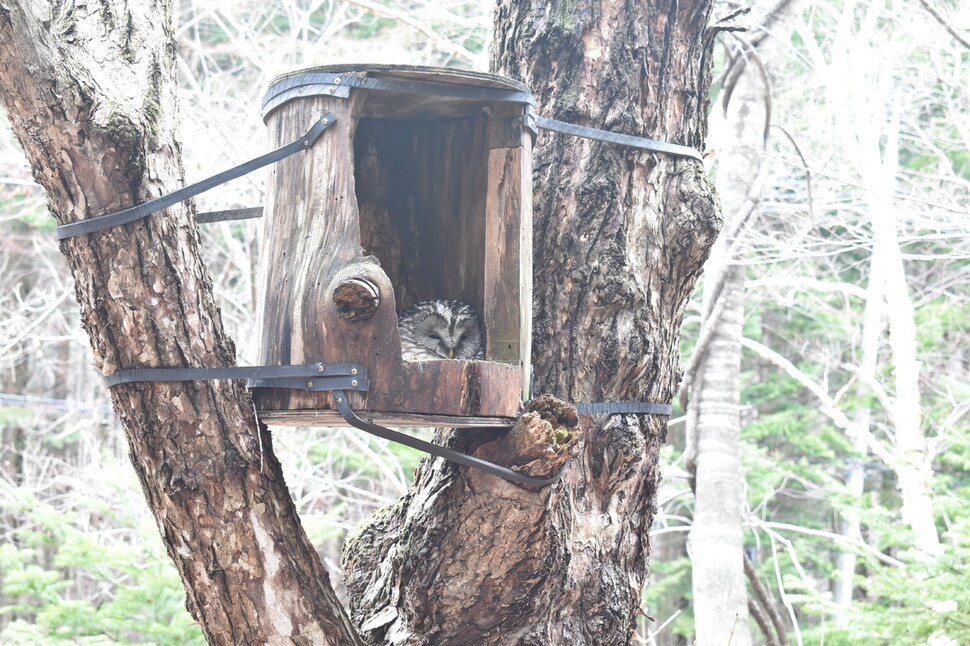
440	329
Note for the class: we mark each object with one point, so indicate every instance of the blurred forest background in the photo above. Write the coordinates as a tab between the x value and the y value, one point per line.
849	243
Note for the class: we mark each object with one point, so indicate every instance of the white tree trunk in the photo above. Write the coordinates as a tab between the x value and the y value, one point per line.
872	141
850	524
715	541
913	453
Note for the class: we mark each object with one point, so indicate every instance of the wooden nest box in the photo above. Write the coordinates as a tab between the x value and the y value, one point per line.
421	189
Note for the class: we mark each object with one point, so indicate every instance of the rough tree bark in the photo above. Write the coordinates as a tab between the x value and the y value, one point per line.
620	237
90	90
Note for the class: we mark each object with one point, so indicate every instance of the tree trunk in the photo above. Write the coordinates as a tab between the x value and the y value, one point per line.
913	451
90	90
713	453
620	237
716	541
868	121
850	521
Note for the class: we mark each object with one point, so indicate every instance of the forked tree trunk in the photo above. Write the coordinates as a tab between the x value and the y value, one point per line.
90	90
465	558
620	237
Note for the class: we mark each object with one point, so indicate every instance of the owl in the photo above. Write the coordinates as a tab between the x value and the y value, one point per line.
440	329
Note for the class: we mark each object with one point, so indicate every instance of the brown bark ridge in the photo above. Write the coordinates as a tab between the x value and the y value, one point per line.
620	239
90	90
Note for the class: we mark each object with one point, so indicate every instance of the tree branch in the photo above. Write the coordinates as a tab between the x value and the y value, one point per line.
946	25
829	406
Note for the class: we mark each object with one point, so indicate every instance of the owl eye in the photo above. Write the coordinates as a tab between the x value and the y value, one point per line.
434	336
461	339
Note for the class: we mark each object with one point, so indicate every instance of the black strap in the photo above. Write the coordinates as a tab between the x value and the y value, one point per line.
642	143
334	377
332	84
139	211
337	84
343	406
207	217
310	376
619	408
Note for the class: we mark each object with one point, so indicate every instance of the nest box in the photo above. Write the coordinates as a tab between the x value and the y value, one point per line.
421	189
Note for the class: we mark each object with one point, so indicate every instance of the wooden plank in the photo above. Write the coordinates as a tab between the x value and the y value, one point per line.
312	243
508	159
475	388
326	417
404	105
447	387
525	264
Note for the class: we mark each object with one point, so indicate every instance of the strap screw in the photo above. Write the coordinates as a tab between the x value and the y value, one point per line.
309	384
336	81
340	400
353	371
320	368
353	383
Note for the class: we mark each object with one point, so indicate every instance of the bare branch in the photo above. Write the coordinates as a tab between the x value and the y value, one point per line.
946	25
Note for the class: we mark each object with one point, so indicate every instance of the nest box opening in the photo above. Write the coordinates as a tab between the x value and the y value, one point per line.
420	190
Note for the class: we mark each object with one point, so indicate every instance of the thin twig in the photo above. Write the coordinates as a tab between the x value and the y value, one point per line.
940	19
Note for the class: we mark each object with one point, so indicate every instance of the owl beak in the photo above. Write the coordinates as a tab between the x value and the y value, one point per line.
451	353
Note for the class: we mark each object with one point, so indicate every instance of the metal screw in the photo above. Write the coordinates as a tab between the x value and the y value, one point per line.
320	368
309	384
340	400
336	81
331	90
353	383
325	121
353	371
306	144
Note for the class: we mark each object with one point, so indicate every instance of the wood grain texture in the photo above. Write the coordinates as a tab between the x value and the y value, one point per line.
509	169
326	417
424	207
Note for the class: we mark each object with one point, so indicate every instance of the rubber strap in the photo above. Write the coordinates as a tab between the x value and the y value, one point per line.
208	217
139	211
343	407
336	84
675	150
328	84
619	408
311	376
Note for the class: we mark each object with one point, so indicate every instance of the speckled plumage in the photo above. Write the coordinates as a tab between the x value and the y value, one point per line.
440	329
